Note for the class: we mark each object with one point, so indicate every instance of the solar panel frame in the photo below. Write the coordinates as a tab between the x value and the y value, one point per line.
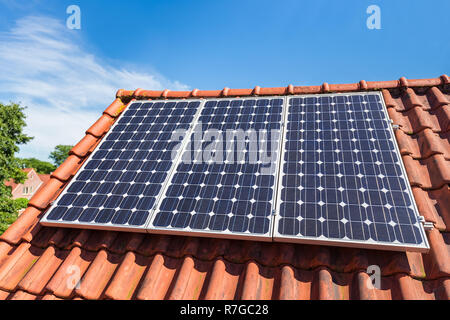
108	226
352	243
267	237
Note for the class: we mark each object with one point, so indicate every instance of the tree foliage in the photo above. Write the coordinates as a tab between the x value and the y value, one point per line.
9	214
12	123
60	154
42	167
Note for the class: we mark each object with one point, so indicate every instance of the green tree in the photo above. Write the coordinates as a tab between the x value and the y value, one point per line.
8	216
60	154
12	123
40	166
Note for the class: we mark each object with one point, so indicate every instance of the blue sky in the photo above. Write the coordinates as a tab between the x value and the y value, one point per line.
67	77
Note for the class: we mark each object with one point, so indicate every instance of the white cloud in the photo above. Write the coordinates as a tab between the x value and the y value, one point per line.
64	86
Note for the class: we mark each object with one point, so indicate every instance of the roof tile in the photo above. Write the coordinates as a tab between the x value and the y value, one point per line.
42	271
39	262
430	173
115	108
46	194
101	126
157	282
127	277
64	281
67	169
98	275
423	144
18	265
85	146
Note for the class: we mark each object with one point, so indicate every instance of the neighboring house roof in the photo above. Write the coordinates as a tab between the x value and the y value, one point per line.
35	261
43	177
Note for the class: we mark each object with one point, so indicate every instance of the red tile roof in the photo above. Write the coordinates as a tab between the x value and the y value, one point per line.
43	177
36	261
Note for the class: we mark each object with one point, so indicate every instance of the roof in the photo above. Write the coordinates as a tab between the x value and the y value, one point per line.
43	177
36	262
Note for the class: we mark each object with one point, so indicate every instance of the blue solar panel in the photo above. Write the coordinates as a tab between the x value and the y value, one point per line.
119	184
212	168
342	180
224	184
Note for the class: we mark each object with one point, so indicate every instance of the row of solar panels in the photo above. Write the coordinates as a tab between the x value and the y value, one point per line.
315	169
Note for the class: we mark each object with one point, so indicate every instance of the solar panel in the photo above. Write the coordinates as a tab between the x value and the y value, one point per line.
224	184
118	185
342	181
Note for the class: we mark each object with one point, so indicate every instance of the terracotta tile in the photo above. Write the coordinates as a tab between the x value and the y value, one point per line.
236	92
50	297
443	116
42	271
115	108
437	260
37	262
85	146
67	277
21	226
18	265
209	93
64	238
423	144
99	128
99	274
178	94
434	205
4	295
225	282
307	89
124	94
126	241
259	283
437	98
127	277
5	250
343	87
40	236
159	279
100	240
411	100
68	168
271	91
46	194
22	295
430	173
364	289
332	286
81	238
190	280
295	284
413	289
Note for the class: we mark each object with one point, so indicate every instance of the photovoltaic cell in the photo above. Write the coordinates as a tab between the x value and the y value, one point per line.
342	180
224	183
212	168
119	184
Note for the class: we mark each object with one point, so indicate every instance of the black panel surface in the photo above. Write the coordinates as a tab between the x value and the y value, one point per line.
232	193
341	175
121	180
